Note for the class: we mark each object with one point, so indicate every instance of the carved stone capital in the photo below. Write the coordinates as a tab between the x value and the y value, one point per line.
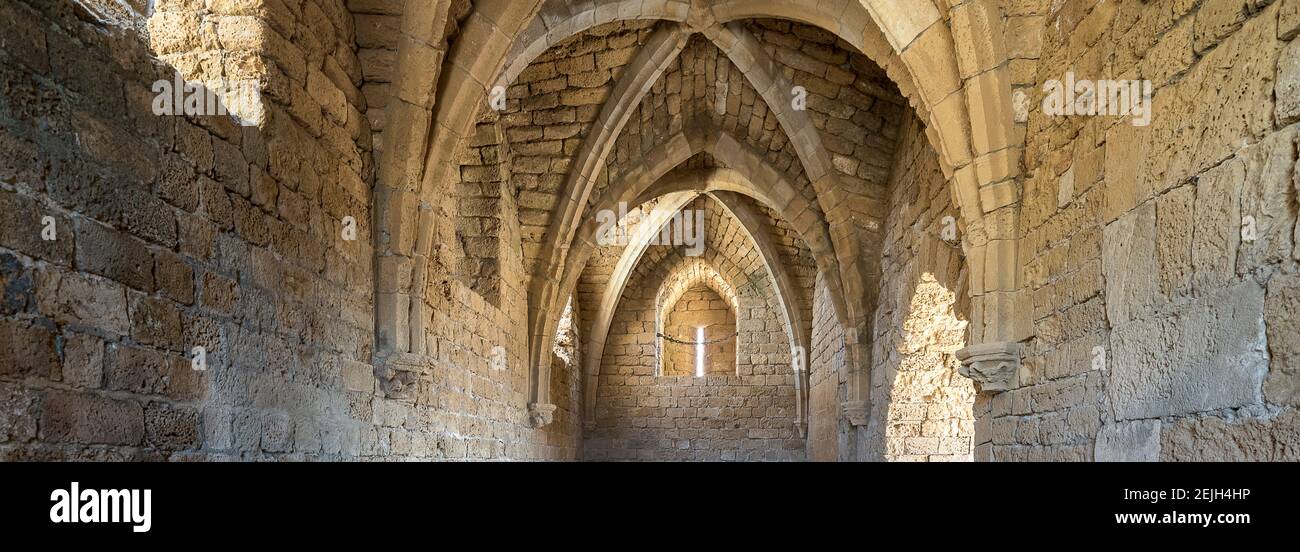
994	366
855	411
398	375
541	415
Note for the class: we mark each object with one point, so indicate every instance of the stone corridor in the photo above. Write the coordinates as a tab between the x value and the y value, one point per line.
669	230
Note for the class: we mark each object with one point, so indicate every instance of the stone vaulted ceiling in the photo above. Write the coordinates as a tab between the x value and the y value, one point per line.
616	116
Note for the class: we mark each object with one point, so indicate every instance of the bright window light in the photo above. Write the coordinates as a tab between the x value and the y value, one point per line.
699	352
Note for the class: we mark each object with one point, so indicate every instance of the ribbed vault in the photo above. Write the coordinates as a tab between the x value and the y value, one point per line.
603	99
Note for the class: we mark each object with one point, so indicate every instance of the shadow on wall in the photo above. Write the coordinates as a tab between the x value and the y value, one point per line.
198	295
253	242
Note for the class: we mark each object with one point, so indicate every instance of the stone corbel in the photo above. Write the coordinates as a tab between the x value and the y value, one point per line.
398	375
994	366
855	412
541	415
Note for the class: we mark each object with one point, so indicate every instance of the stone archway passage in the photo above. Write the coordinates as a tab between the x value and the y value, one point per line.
974	150
774	191
722	185
374	259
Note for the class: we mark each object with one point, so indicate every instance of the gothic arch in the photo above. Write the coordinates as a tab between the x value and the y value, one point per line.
750	175
965	98
724	186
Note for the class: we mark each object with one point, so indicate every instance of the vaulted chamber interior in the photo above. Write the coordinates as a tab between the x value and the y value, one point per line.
726	230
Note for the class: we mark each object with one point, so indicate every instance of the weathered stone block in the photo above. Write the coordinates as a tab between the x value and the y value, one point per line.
150	372
1208	354
1170	56
19	410
171	427
92	419
174	31
1248	437
1217	235
196	237
114	255
1129	261
174	277
24	228
16	285
251	223
1175	226
155	322
1288	24
1220	18
73	298
264	190
1287	89
25	40
1137	441
1267	218
176	183
1126	182
277	432
230	167
26	350
83	361
1282	319
358	376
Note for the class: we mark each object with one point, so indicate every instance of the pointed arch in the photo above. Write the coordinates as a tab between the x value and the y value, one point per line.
750	174
674	192
965	99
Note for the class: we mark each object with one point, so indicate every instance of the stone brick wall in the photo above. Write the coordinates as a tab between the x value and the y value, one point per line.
550	110
487	225
175	233
827	431
855	107
748	415
1159	332
921	407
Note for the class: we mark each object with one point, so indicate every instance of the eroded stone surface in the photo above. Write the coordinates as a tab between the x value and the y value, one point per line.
1246	437
1136	441
1206	355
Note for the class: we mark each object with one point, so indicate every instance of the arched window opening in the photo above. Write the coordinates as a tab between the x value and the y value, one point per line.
699	337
